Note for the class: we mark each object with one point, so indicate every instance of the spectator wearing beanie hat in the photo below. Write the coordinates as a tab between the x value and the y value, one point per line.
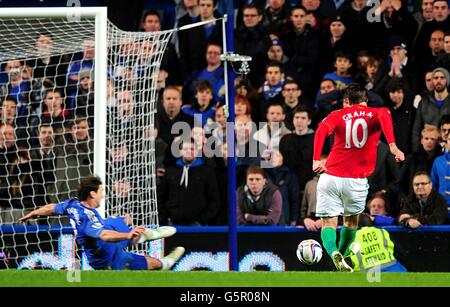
337	40
399	64
433	105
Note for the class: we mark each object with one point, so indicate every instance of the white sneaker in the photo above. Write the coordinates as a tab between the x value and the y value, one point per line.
339	262
159	233
170	259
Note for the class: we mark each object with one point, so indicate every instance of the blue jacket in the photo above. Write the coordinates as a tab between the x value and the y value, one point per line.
440	175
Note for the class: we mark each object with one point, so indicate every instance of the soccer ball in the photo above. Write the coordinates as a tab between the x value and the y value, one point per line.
309	252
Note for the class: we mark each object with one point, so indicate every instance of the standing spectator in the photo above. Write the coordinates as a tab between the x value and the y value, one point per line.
151	22
287	182
293	98
432	106
269	136
424	206
301	48
192	15
74	160
425	15
386	176
439	174
213	73
308	216
403	113
270	92
276	16
43	163
188	193
48	66
195	40
249	39
259	202
297	147
319	14
86	62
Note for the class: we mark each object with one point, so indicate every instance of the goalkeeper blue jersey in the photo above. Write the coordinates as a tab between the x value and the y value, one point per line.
88	224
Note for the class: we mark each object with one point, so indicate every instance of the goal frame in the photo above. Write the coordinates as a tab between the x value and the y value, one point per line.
100	69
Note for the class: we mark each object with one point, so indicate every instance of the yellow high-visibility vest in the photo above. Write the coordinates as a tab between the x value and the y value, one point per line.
377	249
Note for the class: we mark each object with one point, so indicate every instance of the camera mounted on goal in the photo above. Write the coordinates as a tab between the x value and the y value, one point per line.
244	69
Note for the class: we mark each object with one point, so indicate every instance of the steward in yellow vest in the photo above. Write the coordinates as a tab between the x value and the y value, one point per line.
377	250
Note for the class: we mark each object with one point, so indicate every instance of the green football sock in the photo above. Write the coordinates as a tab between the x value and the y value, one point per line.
328	236
347	237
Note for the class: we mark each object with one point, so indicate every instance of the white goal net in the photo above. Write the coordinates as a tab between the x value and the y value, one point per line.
52	132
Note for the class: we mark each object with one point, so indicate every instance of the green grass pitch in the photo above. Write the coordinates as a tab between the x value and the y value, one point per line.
14	278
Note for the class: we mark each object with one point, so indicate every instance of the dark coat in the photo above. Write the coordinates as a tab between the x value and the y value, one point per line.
196	204
433	213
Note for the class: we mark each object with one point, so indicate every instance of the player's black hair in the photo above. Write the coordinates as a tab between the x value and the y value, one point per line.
355	93
87	185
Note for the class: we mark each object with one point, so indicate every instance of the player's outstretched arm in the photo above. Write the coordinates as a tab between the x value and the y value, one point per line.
399	155
115	236
42	211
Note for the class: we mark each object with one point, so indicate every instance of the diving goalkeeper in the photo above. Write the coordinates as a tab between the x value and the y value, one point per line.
104	241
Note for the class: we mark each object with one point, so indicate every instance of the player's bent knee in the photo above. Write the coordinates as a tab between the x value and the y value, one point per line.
153	263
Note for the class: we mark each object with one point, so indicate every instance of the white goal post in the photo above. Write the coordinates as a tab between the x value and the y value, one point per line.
123	72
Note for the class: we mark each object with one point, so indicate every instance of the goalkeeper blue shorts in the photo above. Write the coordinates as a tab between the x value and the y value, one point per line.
128	261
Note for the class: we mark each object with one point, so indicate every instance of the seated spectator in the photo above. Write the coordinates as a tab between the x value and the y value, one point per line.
17	191
203	108
17	87
425	206
421	160
259	202
8	115
444	128
53	111
378	212
188	193
342	75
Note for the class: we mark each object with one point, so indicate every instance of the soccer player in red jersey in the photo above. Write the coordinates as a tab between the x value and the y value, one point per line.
342	188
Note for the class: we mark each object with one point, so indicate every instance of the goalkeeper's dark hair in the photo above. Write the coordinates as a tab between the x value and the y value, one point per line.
87	185
355	93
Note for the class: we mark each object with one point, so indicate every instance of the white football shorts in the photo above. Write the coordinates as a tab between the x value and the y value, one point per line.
340	196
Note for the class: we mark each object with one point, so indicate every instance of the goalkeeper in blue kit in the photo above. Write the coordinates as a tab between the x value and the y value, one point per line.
104	240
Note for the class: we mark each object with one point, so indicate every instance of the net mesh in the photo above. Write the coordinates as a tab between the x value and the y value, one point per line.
47	90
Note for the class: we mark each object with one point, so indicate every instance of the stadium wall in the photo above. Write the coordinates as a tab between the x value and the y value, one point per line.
260	248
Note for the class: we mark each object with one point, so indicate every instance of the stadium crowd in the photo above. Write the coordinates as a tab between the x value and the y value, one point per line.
304	53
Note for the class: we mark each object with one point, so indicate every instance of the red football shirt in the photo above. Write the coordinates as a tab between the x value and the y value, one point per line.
356	131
